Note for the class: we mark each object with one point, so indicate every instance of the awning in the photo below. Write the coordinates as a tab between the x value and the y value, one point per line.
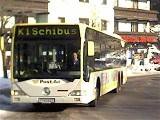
142	38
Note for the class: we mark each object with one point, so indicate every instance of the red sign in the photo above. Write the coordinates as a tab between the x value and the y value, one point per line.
131	38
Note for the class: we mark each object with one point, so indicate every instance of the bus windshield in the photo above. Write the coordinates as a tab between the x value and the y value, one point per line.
43	58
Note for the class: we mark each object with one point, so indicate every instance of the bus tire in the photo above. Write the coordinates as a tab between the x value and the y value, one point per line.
95	101
121	78
118	88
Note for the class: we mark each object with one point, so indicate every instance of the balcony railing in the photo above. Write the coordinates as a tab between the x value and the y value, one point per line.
31	7
135	14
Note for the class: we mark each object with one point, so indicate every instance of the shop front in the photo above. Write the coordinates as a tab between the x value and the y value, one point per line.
139	47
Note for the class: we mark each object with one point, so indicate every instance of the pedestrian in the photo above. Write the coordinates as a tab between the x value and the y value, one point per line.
142	58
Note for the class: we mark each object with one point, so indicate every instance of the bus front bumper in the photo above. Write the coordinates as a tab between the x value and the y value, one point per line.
50	100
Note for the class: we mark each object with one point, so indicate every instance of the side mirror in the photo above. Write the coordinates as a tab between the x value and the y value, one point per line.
2	43
87	74
90	48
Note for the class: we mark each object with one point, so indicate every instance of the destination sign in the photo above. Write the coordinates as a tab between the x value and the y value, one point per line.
47	31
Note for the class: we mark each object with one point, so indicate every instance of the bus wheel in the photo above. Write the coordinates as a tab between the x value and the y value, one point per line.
95	101
118	89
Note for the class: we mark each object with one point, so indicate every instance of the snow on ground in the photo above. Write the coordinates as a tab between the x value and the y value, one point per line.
4	83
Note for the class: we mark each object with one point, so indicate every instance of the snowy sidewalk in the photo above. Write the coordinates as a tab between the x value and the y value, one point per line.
140	71
5	87
5	83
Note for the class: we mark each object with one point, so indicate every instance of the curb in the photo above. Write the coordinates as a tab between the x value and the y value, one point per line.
143	73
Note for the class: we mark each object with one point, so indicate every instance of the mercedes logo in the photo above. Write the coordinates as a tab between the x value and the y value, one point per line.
46	91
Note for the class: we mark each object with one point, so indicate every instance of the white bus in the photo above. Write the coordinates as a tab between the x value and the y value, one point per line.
42	69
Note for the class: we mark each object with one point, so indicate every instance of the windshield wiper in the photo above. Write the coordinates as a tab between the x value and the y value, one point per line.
23	79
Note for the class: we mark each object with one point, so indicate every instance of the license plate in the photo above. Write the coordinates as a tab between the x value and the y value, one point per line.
46	100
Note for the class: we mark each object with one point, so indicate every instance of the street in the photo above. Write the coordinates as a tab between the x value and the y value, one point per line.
138	100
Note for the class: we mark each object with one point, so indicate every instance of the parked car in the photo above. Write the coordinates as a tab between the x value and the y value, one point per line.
155	59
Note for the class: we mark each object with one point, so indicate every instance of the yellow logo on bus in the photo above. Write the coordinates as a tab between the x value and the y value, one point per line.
35	81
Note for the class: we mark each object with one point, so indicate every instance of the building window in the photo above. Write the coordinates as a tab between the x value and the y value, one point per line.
84	20
61	19
142	27
21	19
116	26
135	4
85	1
134	27
124	26
104	2
103	25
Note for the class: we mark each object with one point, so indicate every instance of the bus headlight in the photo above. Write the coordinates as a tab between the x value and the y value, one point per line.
17	92
77	93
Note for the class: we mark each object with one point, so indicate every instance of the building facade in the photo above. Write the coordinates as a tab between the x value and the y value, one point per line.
20	11
133	20
96	13
24	11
